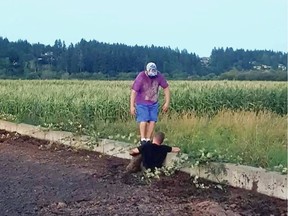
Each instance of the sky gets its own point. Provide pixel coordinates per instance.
(195, 25)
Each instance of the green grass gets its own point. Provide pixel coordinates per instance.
(244, 122)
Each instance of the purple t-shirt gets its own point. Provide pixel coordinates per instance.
(147, 88)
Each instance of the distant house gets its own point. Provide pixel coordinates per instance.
(46, 58)
(258, 67)
(47, 54)
(205, 60)
(282, 67)
(262, 67)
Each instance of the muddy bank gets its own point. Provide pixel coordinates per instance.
(40, 178)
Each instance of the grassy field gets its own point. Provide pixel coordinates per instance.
(240, 122)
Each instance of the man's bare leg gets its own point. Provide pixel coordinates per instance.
(150, 129)
(143, 129)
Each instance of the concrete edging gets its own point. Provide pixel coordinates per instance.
(250, 178)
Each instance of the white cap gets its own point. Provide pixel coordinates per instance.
(151, 66)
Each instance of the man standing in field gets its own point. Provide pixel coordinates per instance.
(144, 99)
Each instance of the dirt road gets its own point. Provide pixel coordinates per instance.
(37, 178)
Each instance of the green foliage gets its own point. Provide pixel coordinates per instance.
(239, 122)
(98, 60)
(273, 75)
(244, 60)
(202, 160)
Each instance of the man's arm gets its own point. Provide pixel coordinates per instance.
(171, 149)
(175, 149)
(167, 98)
(132, 101)
(134, 90)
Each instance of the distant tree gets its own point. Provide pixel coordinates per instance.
(97, 60)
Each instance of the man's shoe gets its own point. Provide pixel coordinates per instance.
(142, 142)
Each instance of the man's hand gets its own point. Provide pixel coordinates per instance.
(165, 107)
(134, 152)
(175, 149)
(132, 110)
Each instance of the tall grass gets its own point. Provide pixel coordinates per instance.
(243, 137)
(244, 121)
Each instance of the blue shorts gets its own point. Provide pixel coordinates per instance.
(146, 113)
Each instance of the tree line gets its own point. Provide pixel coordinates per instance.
(98, 60)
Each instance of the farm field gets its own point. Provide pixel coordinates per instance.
(232, 121)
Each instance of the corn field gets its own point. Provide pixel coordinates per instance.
(221, 116)
(90, 101)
